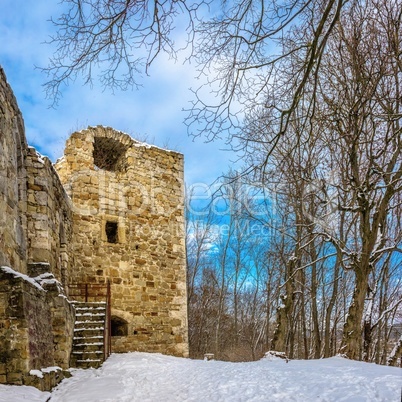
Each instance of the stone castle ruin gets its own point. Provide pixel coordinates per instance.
(92, 251)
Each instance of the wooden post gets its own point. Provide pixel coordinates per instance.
(109, 303)
(107, 334)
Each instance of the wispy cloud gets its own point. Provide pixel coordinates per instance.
(154, 110)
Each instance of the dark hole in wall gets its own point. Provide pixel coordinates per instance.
(109, 154)
(119, 327)
(111, 232)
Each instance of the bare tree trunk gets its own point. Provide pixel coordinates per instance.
(367, 325)
(328, 334)
(303, 318)
(268, 313)
(284, 333)
(352, 330)
(396, 353)
(314, 309)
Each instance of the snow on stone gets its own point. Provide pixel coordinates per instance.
(89, 322)
(39, 281)
(39, 373)
(41, 263)
(274, 356)
(40, 157)
(48, 278)
(59, 160)
(22, 276)
(88, 329)
(92, 337)
(90, 344)
(148, 377)
(90, 315)
(36, 373)
(50, 369)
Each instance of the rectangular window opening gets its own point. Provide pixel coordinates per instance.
(111, 232)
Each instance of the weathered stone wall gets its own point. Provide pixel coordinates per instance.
(136, 191)
(35, 211)
(36, 325)
(36, 321)
(49, 218)
(14, 335)
(12, 180)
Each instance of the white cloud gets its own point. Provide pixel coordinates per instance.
(154, 110)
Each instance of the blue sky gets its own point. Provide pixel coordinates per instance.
(154, 111)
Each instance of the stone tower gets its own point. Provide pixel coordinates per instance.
(128, 228)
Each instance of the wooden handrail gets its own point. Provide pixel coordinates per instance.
(88, 291)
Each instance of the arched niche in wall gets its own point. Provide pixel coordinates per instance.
(119, 326)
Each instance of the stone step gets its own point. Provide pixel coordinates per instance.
(89, 363)
(93, 310)
(80, 361)
(88, 332)
(90, 339)
(90, 313)
(89, 324)
(90, 316)
(89, 306)
(88, 346)
(88, 355)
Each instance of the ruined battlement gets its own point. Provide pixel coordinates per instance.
(111, 210)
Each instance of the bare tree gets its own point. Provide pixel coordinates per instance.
(114, 41)
(242, 49)
(244, 53)
(362, 95)
(355, 134)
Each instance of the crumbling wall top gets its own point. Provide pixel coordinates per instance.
(104, 148)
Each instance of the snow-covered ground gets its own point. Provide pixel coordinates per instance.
(147, 377)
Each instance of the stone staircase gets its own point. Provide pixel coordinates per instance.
(88, 343)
